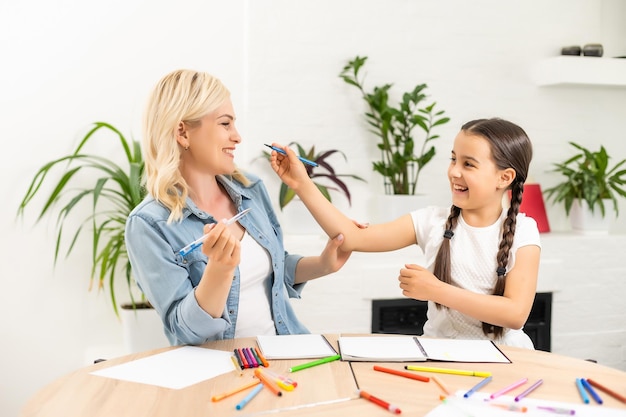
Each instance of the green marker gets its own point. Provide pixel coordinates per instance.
(314, 363)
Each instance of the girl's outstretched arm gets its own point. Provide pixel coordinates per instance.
(394, 235)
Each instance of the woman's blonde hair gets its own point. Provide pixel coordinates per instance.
(181, 96)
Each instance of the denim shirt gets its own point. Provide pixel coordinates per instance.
(168, 279)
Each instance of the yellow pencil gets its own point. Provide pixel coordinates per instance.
(237, 367)
(447, 371)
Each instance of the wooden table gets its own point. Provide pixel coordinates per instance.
(323, 390)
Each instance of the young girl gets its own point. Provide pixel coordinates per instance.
(239, 282)
(482, 260)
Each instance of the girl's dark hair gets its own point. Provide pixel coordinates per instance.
(510, 148)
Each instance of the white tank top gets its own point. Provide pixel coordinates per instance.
(254, 315)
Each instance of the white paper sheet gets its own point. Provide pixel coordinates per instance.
(176, 369)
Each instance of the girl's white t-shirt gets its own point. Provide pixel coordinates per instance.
(473, 261)
(254, 315)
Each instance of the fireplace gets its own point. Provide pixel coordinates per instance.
(407, 316)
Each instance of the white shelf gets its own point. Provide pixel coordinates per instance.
(580, 70)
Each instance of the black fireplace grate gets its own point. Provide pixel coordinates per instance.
(407, 316)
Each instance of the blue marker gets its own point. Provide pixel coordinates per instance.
(593, 392)
(198, 242)
(248, 397)
(306, 161)
(478, 386)
(581, 390)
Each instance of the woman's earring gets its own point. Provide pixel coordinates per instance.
(186, 148)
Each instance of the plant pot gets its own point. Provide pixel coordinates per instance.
(142, 328)
(583, 221)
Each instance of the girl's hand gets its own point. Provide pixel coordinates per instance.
(418, 282)
(288, 167)
(221, 247)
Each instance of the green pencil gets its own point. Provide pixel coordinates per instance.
(314, 363)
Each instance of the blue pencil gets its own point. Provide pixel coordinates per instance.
(593, 392)
(248, 397)
(581, 390)
(478, 386)
(304, 160)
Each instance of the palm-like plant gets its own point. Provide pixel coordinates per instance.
(286, 194)
(114, 194)
(589, 178)
(402, 157)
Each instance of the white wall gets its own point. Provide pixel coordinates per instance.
(68, 63)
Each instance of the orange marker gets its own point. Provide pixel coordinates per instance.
(266, 381)
(235, 391)
(443, 386)
(263, 360)
(401, 373)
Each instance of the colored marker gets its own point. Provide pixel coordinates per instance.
(509, 388)
(591, 391)
(401, 373)
(443, 386)
(251, 359)
(557, 410)
(248, 397)
(447, 371)
(529, 390)
(581, 390)
(266, 381)
(241, 365)
(237, 366)
(607, 390)
(263, 360)
(304, 160)
(198, 242)
(243, 358)
(510, 407)
(283, 378)
(477, 386)
(314, 363)
(382, 403)
(235, 391)
(281, 381)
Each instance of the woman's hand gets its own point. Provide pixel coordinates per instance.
(288, 167)
(221, 247)
(418, 282)
(333, 257)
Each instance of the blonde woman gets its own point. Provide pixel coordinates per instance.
(239, 281)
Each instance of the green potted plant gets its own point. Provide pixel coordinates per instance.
(323, 171)
(403, 156)
(590, 185)
(103, 205)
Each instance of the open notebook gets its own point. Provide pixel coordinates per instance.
(414, 349)
(295, 346)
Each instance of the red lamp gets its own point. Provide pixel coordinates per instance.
(533, 206)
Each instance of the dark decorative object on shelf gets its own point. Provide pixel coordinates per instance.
(593, 49)
(571, 50)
